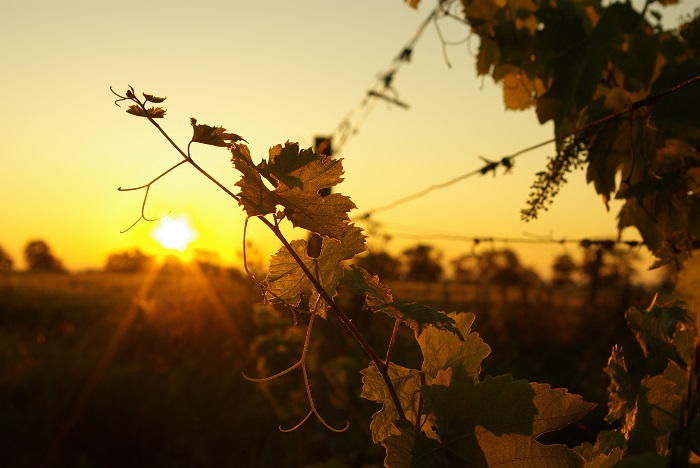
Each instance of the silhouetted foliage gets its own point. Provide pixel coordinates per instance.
(381, 264)
(128, 261)
(5, 260)
(466, 268)
(39, 257)
(608, 266)
(501, 267)
(422, 264)
(564, 269)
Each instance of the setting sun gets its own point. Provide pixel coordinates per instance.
(174, 233)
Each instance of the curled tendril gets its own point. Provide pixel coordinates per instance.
(294, 428)
(313, 410)
(143, 210)
(145, 197)
(300, 362)
(313, 407)
(130, 96)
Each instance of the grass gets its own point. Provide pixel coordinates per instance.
(168, 391)
(106, 369)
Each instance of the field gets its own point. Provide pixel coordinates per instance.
(105, 369)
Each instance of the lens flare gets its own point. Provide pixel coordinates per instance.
(174, 233)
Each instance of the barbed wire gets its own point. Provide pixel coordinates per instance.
(507, 161)
(383, 89)
(584, 242)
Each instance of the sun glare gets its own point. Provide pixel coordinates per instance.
(174, 233)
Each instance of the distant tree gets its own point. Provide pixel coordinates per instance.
(422, 264)
(5, 260)
(128, 261)
(563, 270)
(466, 268)
(608, 267)
(39, 257)
(501, 267)
(381, 264)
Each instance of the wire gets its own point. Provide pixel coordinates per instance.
(507, 161)
(383, 88)
(582, 242)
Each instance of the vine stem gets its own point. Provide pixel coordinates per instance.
(382, 367)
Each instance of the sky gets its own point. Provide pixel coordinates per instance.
(271, 71)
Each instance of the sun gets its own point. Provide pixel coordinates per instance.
(174, 233)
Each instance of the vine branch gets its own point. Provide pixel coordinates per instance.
(382, 367)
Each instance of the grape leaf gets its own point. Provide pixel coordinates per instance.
(519, 91)
(492, 422)
(654, 328)
(152, 112)
(286, 281)
(417, 316)
(514, 449)
(361, 282)
(298, 177)
(606, 452)
(410, 448)
(688, 285)
(606, 460)
(502, 406)
(153, 99)
(407, 383)
(658, 408)
(646, 460)
(649, 415)
(378, 298)
(254, 196)
(215, 136)
(283, 161)
(488, 56)
(621, 396)
(306, 208)
(444, 350)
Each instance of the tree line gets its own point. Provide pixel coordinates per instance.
(423, 263)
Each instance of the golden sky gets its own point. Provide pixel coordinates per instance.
(270, 71)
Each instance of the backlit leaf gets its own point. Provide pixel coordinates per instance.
(443, 350)
(361, 282)
(622, 399)
(654, 328)
(497, 420)
(410, 448)
(152, 112)
(407, 383)
(519, 91)
(658, 408)
(153, 99)
(283, 160)
(607, 450)
(418, 316)
(215, 136)
(306, 208)
(378, 298)
(287, 281)
(514, 449)
(255, 197)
